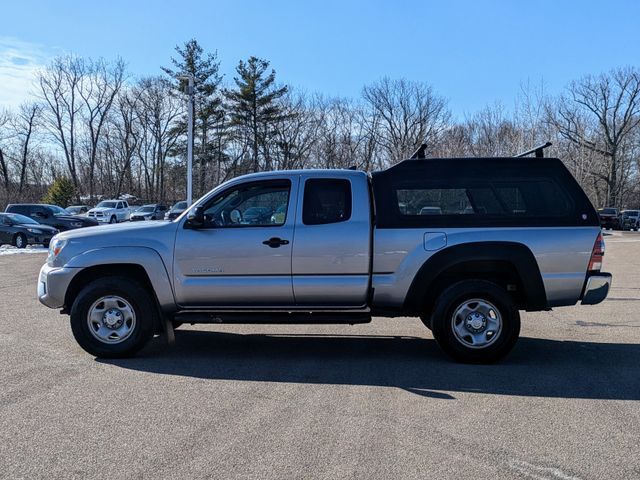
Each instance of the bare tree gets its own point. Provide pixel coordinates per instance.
(601, 114)
(4, 136)
(98, 89)
(406, 114)
(24, 125)
(340, 133)
(59, 85)
(157, 112)
(291, 137)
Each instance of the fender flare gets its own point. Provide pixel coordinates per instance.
(512, 253)
(147, 258)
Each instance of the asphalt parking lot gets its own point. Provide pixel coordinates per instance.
(369, 401)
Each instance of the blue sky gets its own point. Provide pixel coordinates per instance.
(472, 52)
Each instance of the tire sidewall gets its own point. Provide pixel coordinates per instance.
(454, 296)
(23, 238)
(139, 299)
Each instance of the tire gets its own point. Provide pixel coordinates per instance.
(467, 313)
(113, 219)
(46, 244)
(106, 298)
(20, 240)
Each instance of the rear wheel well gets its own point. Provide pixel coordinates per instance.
(89, 274)
(500, 272)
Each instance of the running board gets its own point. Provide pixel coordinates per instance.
(273, 317)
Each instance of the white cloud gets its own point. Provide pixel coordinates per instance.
(19, 63)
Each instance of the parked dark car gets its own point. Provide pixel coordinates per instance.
(152, 211)
(631, 220)
(20, 231)
(51, 215)
(175, 211)
(609, 218)
(78, 209)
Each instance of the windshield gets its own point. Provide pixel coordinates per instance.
(609, 211)
(147, 208)
(106, 205)
(179, 206)
(17, 218)
(58, 211)
(630, 213)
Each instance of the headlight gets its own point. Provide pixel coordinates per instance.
(34, 230)
(55, 247)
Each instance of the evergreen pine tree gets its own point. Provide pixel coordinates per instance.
(208, 108)
(61, 192)
(253, 104)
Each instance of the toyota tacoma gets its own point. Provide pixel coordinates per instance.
(463, 244)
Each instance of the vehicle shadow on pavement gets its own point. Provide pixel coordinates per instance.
(536, 367)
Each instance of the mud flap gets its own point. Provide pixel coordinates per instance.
(168, 331)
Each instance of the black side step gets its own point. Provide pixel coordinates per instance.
(274, 317)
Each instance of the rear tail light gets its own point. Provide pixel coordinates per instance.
(595, 262)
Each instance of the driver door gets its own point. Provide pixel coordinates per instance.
(241, 257)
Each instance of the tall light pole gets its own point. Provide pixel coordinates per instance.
(190, 92)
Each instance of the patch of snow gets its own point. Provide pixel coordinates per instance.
(9, 250)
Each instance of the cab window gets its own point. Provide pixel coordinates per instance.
(255, 204)
(326, 200)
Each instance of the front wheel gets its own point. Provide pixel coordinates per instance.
(475, 321)
(20, 240)
(113, 219)
(113, 317)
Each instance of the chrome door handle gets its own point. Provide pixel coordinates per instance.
(275, 242)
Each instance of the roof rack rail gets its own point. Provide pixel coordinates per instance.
(420, 153)
(539, 151)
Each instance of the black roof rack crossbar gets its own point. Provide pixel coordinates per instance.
(420, 153)
(539, 151)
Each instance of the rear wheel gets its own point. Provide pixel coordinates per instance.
(20, 240)
(475, 321)
(113, 317)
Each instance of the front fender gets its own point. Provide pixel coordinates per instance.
(147, 258)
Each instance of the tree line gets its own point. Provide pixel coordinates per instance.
(109, 134)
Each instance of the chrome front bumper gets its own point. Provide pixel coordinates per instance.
(53, 283)
(596, 289)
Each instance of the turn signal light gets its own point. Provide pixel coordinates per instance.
(595, 262)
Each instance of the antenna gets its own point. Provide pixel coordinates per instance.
(539, 151)
(419, 154)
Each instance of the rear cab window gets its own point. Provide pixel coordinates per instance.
(326, 200)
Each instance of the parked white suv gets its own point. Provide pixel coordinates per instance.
(110, 211)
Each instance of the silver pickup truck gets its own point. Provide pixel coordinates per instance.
(464, 244)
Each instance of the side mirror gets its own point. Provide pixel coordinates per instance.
(195, 218)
